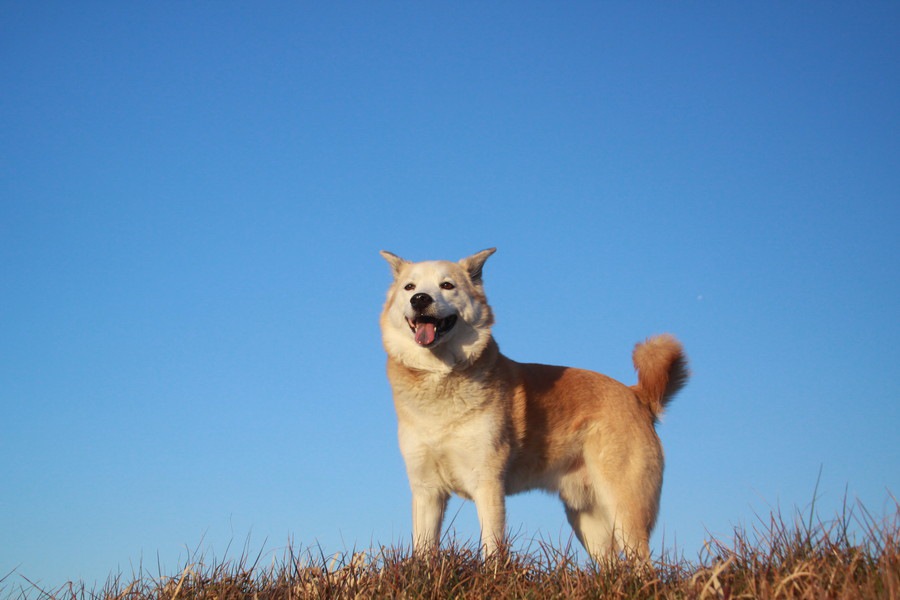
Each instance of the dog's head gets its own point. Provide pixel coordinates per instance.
(436, 315)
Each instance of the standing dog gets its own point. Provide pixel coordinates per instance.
(475, 423)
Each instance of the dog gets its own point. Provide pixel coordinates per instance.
(474, 423)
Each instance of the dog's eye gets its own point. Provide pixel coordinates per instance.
(409, 287)
(447, 286)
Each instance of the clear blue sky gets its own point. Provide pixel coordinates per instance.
(193, 197)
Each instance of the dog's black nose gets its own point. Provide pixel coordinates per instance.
(421, 301)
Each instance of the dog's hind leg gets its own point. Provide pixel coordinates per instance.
(627, 516)
(428, 506)
(593, 530)
(626, 481)
(606, 535)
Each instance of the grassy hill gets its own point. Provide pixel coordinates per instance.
(852, 556)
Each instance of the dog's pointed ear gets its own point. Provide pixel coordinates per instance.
(475, 263)
(395, 261)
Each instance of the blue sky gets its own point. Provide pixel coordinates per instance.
(193, 197)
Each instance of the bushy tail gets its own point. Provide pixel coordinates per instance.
(662, 371)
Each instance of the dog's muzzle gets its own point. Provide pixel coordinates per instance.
(427, 328)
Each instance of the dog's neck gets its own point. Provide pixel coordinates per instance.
(448, 360)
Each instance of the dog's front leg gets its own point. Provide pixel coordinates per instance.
(428, 506)
(491, 505)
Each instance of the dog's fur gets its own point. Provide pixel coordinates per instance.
(475, 423)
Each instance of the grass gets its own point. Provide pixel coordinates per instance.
(852, 556)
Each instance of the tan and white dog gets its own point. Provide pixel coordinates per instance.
(475, 423)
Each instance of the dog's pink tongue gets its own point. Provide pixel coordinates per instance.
(424, 333)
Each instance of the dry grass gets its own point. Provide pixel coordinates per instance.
(806, 558)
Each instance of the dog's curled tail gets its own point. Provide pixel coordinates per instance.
(662, 371)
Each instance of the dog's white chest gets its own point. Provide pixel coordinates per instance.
(448, 444)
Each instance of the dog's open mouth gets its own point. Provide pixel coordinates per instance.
(429, 329)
